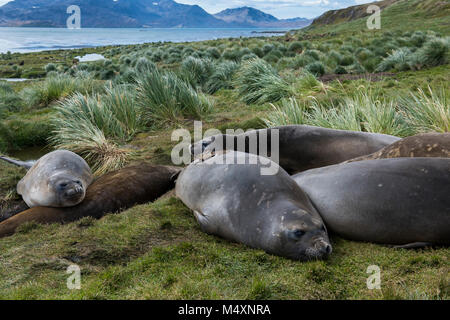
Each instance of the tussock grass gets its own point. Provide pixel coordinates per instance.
(427, 110)
(58, 87)
(9, 99)
(95, 126)
(196, 71)
(258, 82)
(361, 112)
(434, 52)
(222, 77)
(164, 97)
(286, 112)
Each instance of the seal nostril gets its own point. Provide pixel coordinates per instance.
(328, 249)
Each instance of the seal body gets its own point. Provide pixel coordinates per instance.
(389, 201)
(268, 212)
(58, 179)
(111, 193)
(301, 147)
(426, 145)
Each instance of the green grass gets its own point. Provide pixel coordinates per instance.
(157, 251)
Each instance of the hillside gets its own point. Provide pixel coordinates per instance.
(350, 13)
(250, 17)
(395, 15)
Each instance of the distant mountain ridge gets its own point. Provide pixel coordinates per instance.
(134, 14)
(251, 17)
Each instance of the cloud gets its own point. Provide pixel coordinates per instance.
(2, 2)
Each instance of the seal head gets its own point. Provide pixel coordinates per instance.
(58, 179)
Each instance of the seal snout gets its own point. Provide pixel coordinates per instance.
(323, 247)
(72, 190)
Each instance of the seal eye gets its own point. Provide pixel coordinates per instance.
(296, 234)
(63, 185)
(299, 233)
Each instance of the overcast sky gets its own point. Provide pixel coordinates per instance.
(279, 8)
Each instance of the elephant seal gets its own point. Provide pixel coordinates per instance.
(425, 145)
(400, 201)
(301, 147)
(58, 179)
(268, 212)
(111, 193)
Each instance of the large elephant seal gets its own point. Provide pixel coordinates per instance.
(58, 179)
(111, 193)
(389, 201)
(301, 147)
(269, 212)
(425, 145)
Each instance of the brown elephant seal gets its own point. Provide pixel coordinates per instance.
(389, 201)
(58, 179)
(425, 145)
(268, 212)
(113, 192)
(301, 147)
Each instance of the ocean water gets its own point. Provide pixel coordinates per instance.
(40, 39)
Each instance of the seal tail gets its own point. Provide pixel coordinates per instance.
(25, 164)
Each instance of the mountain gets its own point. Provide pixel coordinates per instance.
(133, 14)
(107, 13)
(251, 17)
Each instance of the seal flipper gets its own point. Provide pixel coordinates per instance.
(414, 245)
(25, 164)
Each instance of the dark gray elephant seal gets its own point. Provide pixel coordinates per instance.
(301, 147)
(390, 201)
(269, 212)
(58, 179)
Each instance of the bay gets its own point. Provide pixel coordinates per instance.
(41, 39)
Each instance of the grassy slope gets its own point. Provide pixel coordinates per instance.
(404, 15)
(158, 251)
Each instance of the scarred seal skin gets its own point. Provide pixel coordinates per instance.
(58, 179)
(301, 147)
(268, 212)
(389, 201)
(425, 145)
(111, 193)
